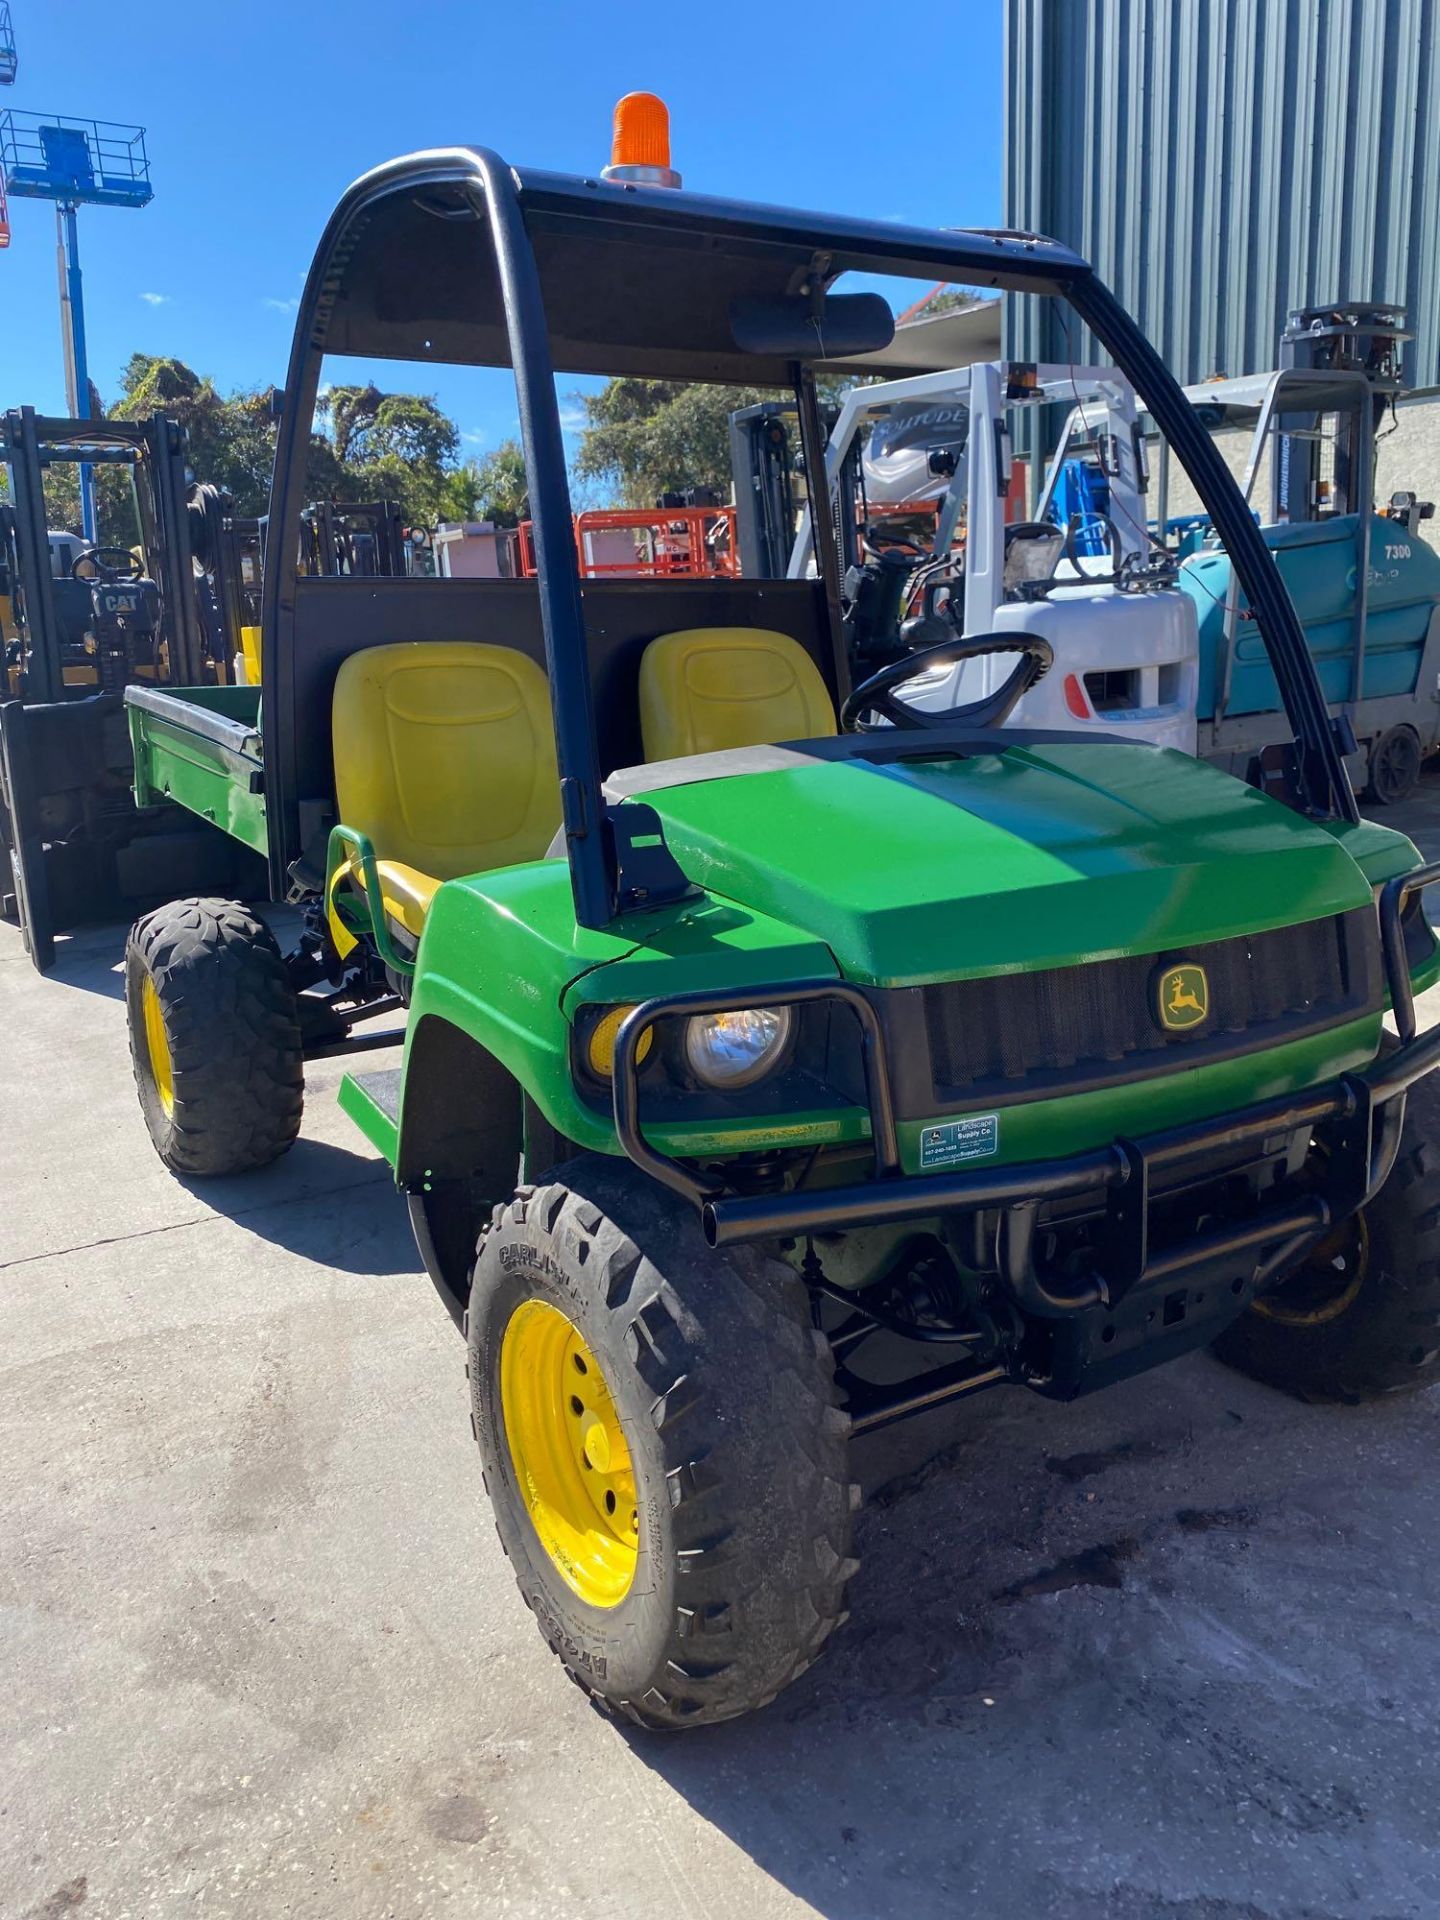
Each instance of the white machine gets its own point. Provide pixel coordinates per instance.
(65, 549)
(1124, 638)
(900, 462)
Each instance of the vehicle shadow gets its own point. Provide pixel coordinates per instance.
(1086, 1644)
(324, 1202)
(1418, 817)
(90, 961)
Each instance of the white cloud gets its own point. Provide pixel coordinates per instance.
(475, 437)
(572, 419)
(156, 299)
(281, 306)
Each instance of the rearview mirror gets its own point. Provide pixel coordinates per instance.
(788, 326)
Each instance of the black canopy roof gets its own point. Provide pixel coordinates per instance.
(635, 280)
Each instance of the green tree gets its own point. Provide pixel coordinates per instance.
(491, 488)
(231, 439)
(392, 446)
(642, 438)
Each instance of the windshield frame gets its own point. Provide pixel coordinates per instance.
(474, 192)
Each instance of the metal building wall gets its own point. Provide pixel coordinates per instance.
(1221, 161)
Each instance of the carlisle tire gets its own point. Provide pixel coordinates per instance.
(662, 1444)
(214, 1037)
(1361, 1317)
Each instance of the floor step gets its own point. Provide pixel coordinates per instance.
(372, 1101)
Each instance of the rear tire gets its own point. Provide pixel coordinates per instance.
(730, 1431)
(1364, 1319)
(1394, 767)
(214, 1037)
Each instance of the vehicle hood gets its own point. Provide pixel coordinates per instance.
(1034, 856)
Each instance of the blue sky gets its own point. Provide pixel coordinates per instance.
(257, 118)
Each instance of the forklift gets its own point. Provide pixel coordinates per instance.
(337, 539)
(354, 538)
(81, 622)
(779, 1061)
(767, 467)
(1092, 584)
(1363, 577)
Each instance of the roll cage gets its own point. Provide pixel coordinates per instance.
(586, 276)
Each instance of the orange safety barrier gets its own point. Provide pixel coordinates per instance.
(671, 543)
(685, 543)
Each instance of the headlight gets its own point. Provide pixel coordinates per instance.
(729, 1050)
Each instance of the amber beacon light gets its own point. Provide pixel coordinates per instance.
(640, 144)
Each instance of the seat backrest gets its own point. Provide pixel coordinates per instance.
(444, 755)
(74, 606)
(711, 688)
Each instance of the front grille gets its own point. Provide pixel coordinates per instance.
(1100, 1022)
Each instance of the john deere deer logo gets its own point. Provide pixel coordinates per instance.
(1183, 998)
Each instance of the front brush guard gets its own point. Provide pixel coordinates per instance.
(1358, 1115)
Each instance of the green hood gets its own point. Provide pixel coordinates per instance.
(1032, 857)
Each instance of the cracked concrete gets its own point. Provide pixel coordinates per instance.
(1169, 1654)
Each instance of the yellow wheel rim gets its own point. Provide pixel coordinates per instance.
(157, 1046)
(570, 1454)
(1327, 1285)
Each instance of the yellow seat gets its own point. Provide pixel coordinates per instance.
(445, 761)
(711, 688)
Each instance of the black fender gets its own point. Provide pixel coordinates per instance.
(461, 1139)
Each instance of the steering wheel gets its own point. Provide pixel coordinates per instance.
(876, 695)
(1030, 530)
(1074, 527)
(880, 542)
(100, 563)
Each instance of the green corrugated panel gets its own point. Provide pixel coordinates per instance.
(1222, 161)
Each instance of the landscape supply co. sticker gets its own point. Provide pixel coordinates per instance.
(974, 1138)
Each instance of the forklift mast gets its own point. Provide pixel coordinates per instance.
(763, 466)
(206, 510)
(764, 461)
(1350, 337)
(242, 569)
(155, 448)
(345, 537)
(73, 846)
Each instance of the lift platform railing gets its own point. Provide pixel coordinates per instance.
(684, 543)
(51, 156)
(662, 543)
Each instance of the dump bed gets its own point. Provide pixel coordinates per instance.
(200, 747)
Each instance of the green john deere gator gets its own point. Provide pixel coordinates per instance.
(779, 1060)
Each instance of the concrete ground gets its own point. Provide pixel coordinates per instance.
(1172, 1652)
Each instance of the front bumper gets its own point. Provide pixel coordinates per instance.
(1357, 1116)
